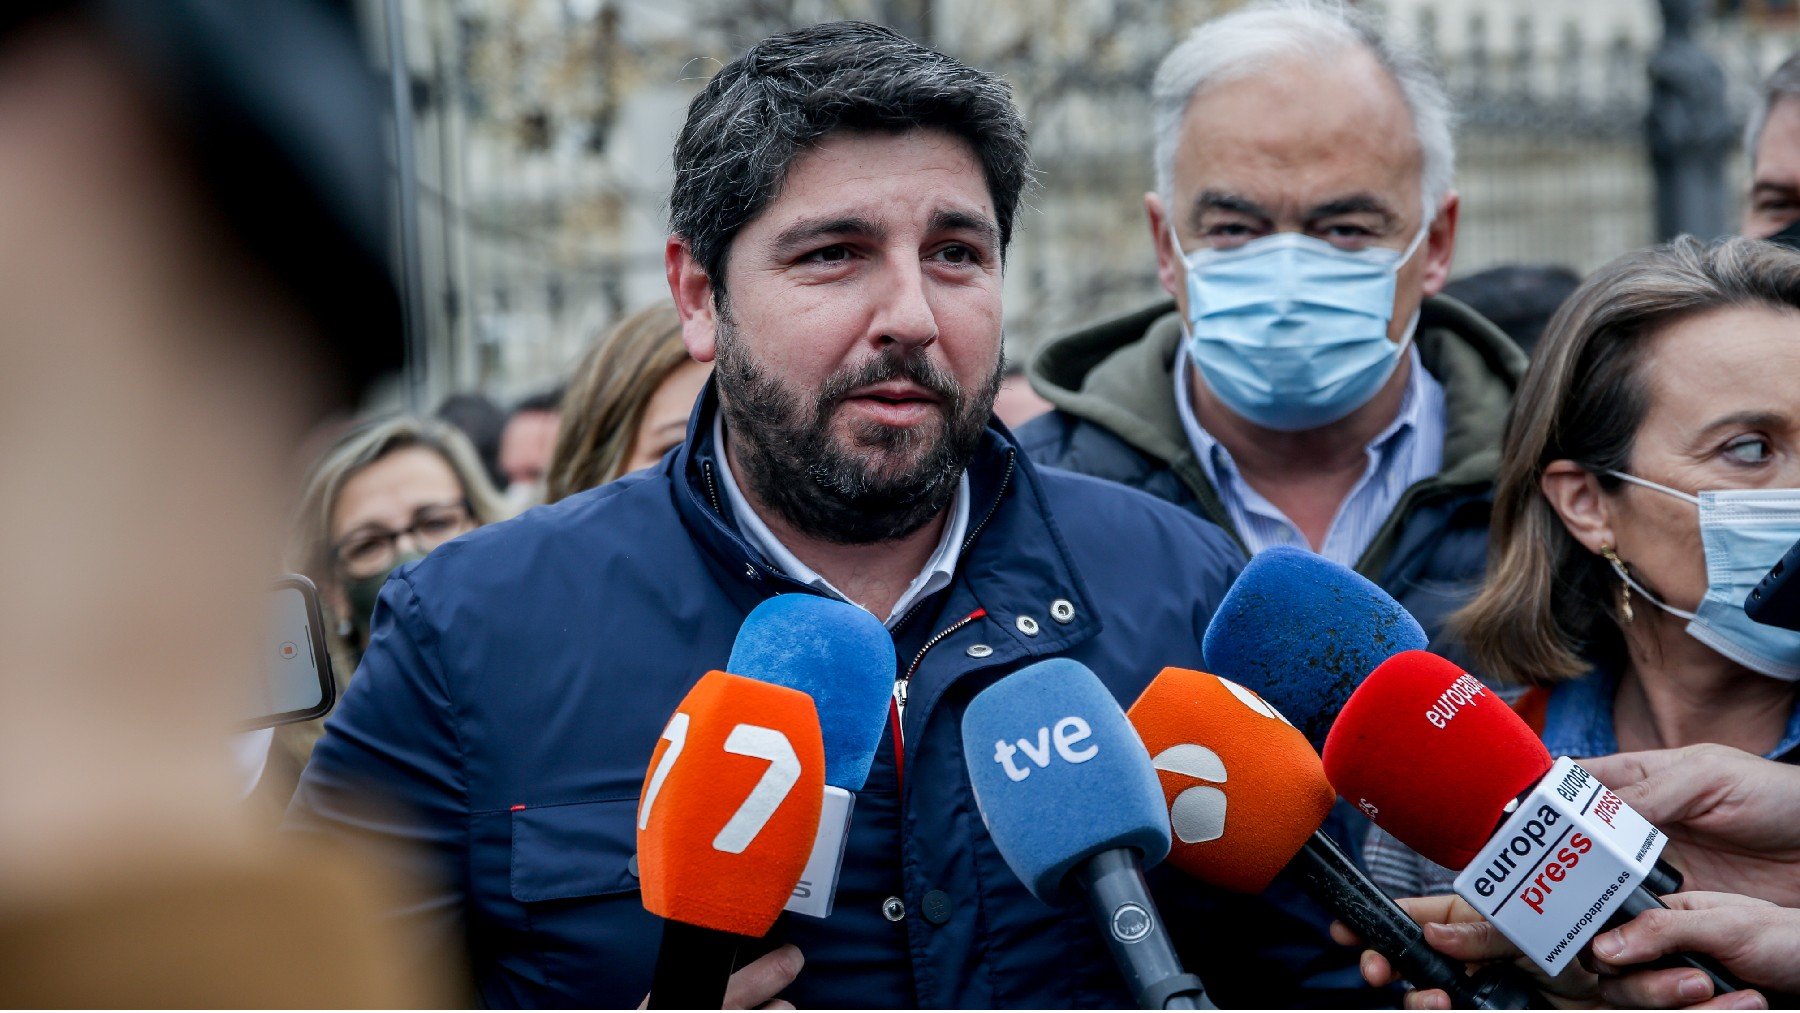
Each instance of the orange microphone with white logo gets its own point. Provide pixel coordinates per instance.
(1247, 795)
(726, 823)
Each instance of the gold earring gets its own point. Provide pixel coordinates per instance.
(1618, 566)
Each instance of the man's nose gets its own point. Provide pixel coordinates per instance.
(904, 316)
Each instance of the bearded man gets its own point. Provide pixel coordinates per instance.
(842, 206)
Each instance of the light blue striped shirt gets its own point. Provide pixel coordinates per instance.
(1409, 450)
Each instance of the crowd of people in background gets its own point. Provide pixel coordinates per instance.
(1571, 483)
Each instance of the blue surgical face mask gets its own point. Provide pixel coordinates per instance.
(1743, 532)
(1291, 332)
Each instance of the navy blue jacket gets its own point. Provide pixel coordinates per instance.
(519, 677)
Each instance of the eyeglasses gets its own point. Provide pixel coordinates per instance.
(372, 550)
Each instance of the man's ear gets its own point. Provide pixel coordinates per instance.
(1170, 271)
(692, 290)
(1440, 245)
(1575, 494)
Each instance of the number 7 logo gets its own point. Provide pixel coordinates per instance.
(731, 804)
(764, 799)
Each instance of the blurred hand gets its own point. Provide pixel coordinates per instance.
(756, 984)
(1730, 816)
(1755, 940)
(1455, 929)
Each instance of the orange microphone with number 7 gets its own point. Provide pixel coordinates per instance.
(729, 811)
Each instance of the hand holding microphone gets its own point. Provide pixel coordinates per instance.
(1754, 939)
(808, 695)
(1549, 854)
(1730, 816)
(1247, 795)
(757, 984)
(1458, 931)
(726, 822)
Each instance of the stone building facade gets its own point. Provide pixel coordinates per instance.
(543, 130)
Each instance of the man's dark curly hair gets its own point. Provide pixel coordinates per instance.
(752, 120)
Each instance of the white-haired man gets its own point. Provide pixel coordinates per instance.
(1307, 386)
(1772, 142)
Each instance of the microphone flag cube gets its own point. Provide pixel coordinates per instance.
(1059, 775)
(730, 805)
(1244, 789)
(1561, 865)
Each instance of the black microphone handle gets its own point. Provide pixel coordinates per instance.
(1640, 900)
(1120, 901)
(1332, 878)
(693, 967)
(1662, 879)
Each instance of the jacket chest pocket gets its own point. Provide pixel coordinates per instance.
(572, 871)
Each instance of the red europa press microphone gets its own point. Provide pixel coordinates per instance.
(729, 811)
(1247, 796)
(1548, 854)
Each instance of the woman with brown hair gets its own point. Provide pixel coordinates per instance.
(1650, 476)
(628, 403)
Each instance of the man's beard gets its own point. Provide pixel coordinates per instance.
(881, 484)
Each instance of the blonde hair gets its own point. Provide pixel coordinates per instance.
(364, 444)
(605, 403)
(1546, 610)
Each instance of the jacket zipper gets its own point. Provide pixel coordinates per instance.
(712, 490)
(900, 684)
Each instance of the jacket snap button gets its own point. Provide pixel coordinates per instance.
(1062, 610)
(893, 909)
(631, 867)
(937, 907)
(1027, 626)
(979, 650)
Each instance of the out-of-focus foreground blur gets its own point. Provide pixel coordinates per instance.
(184, 290)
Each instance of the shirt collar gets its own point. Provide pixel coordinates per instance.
(938, 571)
(1578, 719)
(1214, 457)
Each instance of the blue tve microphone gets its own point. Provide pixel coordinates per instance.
(1304, 632)
(843, 658)
(1066, 790)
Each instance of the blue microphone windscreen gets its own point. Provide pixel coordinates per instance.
(1304, 632)
(834, 652)
(1059, 773)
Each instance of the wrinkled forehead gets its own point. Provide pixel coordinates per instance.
(859, 169)
(879, 186)
(1302, 133)
(1778, 144)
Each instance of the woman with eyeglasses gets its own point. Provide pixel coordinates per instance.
(385, 493)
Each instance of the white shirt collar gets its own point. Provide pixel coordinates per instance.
(936, 575)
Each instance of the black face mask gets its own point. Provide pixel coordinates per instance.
(1788, 237)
